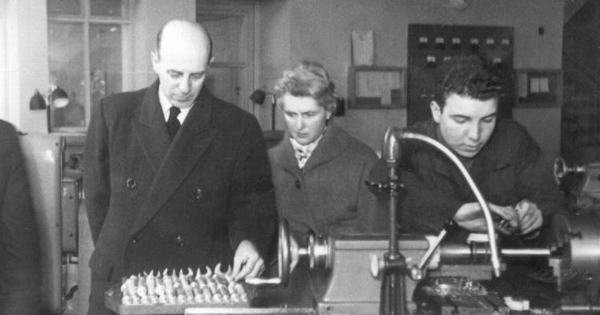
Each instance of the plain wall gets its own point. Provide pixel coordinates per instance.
(26, 63)
(321, 30)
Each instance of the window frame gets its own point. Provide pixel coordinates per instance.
(86, 19)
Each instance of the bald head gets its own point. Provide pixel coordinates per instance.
(181, 61)
(193, 29)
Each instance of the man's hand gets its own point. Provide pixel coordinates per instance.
(530, 217)
(247, 263)
(470, 217)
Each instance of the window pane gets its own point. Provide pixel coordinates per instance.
(106, 60)
(65, 50)
(114, 8)
(64, 7)
(226, 32)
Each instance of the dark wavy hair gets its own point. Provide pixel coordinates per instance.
(467, 76)
(308, 79)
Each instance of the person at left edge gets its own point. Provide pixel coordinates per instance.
(20, 268)
(204, 198)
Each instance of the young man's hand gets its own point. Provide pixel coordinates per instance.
(470, 217)
(530, 217)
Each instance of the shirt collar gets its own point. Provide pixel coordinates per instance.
(165, 105)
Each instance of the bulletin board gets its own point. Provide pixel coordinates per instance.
(430, 45)
(539, 88)
(377, 87)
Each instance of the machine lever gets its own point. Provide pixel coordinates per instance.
(448, 225)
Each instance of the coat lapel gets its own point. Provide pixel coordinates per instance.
(181, 156)
(329, 148)
(151, 128)
(286, 156)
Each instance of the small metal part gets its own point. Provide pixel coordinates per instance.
(448, 225)
(503, 224)
(376, 266)
(432, 247)
(415, 273)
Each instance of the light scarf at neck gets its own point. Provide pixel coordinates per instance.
(303, 152)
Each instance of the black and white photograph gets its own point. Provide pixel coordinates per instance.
(301, 157)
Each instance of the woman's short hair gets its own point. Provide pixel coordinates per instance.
(308, 79)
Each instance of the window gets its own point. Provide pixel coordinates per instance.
(88, 56)
(3, 63)
(231, 27)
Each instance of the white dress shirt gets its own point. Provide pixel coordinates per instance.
(165, 104)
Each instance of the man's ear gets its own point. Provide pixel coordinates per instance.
(155, 60)
(436, 111)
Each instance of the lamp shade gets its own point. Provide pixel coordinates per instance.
(37, 101)
(258, 96)
(59, 98)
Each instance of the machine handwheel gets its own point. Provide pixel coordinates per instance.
(284, 252)
(560, 168)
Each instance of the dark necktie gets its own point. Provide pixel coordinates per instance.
(173, 123)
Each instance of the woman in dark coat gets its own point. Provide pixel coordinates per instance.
(319, 169)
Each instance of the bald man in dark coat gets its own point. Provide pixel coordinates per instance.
(201, 198)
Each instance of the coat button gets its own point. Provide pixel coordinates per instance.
(298, 185)
(199, 193)
(180, 240)
(131, 183)
(134, 240)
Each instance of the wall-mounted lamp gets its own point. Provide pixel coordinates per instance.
(272, 137)
(37, 101)
(258, 97)
(57, 98)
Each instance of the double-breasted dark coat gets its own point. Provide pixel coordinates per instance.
(153, 204)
